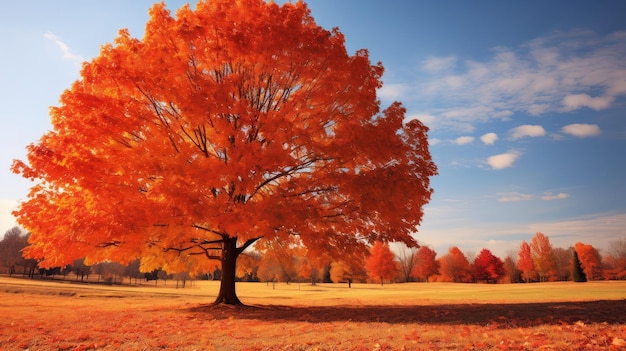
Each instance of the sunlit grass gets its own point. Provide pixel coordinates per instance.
(44, 315)
(330, 294)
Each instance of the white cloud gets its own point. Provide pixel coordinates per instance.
(463, 140)
(502, 161)
(438, 64)
(527, 131)
(65, 50)
(489, 138)
(581, 130)
(513, 197)
(549, 196)
(576, 101)
(558, 73)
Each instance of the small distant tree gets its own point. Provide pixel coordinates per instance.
(577, 271)
(11, 249)
(406, 261)
(279, 259)
(488, 267)
(381, 264)
(543, 257)
(81, 269)
(525, 262)
(248, 266)
(563, 263)
(340, 272)
(425, 265)
(454, 267)
(590, 260)
(615, 260)
(132, 271)
(512, 274)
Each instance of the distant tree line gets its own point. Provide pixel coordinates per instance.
(280, 261)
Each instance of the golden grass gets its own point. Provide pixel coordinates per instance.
(40, 315)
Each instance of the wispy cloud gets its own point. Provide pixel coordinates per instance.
(513, 197)
(576, 101)
(527, 131)
(503, 161)
(558, 73)
(549, 196)
(438, 64)
(67, 54)
(489, 138)
(463, 140)
(581, 130)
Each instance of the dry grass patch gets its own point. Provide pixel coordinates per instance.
(327, 317)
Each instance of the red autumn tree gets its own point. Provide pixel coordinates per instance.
(590, 260)
(381, 264)
(543, 257)
(525, 262)
(454, 267)
(425, 264)
(226, 123)
(487, 267)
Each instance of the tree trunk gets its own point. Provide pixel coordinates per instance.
(227, 294)
(230, 252)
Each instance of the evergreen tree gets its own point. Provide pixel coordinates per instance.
(577, 271)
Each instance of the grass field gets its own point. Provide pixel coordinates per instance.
(42, 315)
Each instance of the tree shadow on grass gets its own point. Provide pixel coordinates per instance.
(497, 315)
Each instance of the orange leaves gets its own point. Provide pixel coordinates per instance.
(543, 257)
(424, 264)
(525, 262)
(381, 263)
(454, 267)
(488, 267)
(590, 260)
(244, 117)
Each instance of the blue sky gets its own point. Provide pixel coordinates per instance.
(525, 101)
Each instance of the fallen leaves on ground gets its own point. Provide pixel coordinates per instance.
(42, 322)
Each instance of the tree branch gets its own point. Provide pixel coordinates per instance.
(197, 226)
(247, 244)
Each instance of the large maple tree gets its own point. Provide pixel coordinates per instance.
(225, 123)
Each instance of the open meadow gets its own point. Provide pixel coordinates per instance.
(43, 315)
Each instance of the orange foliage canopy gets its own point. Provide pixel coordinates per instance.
(543, 257)
(525, 262)
(488, 267)
(454, 267)
(425, 264)
(590, 260)
(381, 264)
(226, 123)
